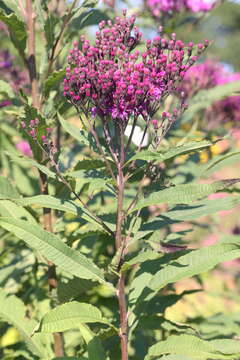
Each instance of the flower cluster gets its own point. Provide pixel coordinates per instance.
(170, 7)
(37, 132)
(113, 80)
(207, 75)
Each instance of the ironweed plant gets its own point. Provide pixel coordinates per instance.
(96, 192)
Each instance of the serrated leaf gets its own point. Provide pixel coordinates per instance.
(69, 316)
(183, 193)
(49, 28)
(192, 346)
(140, 258)
(190, 212)
(57, 204)
(53, 248)
(16, 29)
(193, 263)
(89, 164)
(53, 80)
(205, 98)
(72, 288)
(173, 152)
(13, 311)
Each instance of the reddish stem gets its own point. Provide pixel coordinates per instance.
(120, 243)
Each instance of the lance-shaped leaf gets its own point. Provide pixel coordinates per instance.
(54, 249)
(13, 311)
(195, 348)
(9, 208)
(188, 213)
(205, 98)
(217, 163)
(53, 80)
(16, 29)
(171, 153)
(193, 263)
(75, 132)
(25, 160)
(183, 193)
(69, 316)
(62, 205)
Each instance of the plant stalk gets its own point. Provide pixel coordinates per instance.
(120, 243)
(52, 276)
(47, 214)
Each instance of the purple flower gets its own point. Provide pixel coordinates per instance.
(110, 78)
(24, 148)
(206, 76)
(170, 7)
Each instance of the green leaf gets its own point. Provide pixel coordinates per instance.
(6, 89)
(94, 345)
(69, 316)
(194, 347)
(140, 258)
(53, 80)
(79, 135)
(53, 248)
(9, 208)
(13, 311)
(81, 10)
(189, 212)
(89, 164)
(11, 6)
(16, 29)
(49, 28)
(7, 190)
(57, 204)
(205, 98)
(173, 152)
(20, 159)
(221, 161)
(73, 288)
(176, 357)
(193, 263)
(183, 193)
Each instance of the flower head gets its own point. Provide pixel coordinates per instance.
(171, 7)
(112, 79)
(207, 75)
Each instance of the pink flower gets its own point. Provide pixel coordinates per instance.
(24, 148)
(118, 82)
(171, 7)
(205, 76)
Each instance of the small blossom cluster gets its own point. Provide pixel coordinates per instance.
(207, 75)
(113, 80)
(32, 129)
(171, 7)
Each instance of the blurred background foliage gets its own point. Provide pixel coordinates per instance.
(218, 306)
